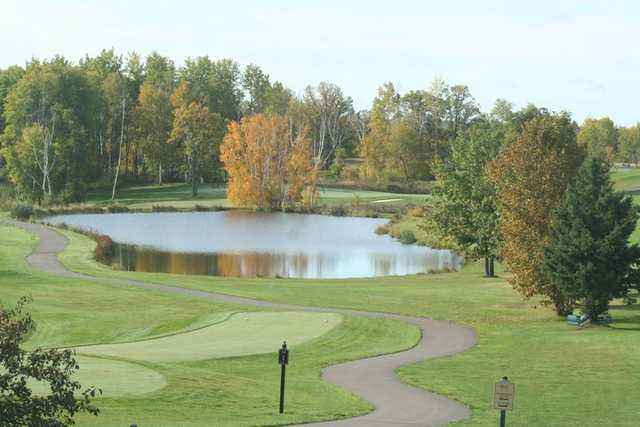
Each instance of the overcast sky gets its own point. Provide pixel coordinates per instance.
(579, 55)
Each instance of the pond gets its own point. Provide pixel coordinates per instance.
(249, 244)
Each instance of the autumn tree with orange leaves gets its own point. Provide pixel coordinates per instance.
(268, 166)
(531, 176)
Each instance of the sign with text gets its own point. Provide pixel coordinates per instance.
(503, 395)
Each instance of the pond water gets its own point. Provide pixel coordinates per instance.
(234, 243)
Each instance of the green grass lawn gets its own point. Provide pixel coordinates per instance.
(626, 179)
(240, 334)
(564, 376)
(228, 391)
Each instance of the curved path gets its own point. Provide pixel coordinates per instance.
(396, 404)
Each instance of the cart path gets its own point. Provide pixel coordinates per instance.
(374, 379)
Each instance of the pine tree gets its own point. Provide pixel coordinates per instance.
(588, 256)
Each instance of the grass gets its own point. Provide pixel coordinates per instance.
(587, 377)
(230, 391)
(563, 375)
(179, 196)
(115, 378)
(240, 334)
(626, 179)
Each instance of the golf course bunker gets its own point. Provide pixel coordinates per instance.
(114, 377)
(240, 335)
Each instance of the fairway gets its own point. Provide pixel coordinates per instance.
(240, 335)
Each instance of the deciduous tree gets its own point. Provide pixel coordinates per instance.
(199, 132)
(600, 138)
(268, 165)
(464, 198)
(531, 176)
(19, 369)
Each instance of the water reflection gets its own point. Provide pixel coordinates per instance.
(259, 244)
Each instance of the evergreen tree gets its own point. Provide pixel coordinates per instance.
(588, 256)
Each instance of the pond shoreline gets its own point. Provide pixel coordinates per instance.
(254, 244)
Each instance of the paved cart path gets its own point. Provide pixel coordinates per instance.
(396, 404)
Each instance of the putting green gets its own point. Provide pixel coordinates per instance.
(242, 334)
(115, 378)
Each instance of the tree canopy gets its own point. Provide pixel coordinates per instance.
(531, 176)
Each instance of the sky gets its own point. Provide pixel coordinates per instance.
(576, 55)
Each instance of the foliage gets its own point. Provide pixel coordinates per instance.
(531, 176)
(599, 138)
(19, 406)
(199, 133)
(629, 144)
(268, 167)
(407, 237)
(22, 211)
(104, 250)
(407, 133)
(49, 94)
(464, 198)
(588, 256)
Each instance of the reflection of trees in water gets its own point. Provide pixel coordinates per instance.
(435, 260)
(284, 265)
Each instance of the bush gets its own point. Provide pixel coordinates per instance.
(407, 237)
(104, 250)
(201, 208)
(159, 208)
(382, 229)
(117, 209)
(22, 211)
(338, 210)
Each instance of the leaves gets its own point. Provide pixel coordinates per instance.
(268, 167)
(18, 405)
(531, 176)
(588, 257)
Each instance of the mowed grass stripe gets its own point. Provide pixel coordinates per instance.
(242, 334)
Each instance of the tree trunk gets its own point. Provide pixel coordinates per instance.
(489, 266)
(160, 172)
(115, 179)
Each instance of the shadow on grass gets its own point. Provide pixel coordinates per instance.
(629, 320)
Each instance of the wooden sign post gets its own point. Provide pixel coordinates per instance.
(503, 395)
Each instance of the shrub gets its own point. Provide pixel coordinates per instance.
(201, 208)
(160, 208)
(117, 209)
(407, 237)
(338, 210)
(382, 229)
(104, 250)
(22, 211)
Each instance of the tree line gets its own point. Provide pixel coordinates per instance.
(66, 127)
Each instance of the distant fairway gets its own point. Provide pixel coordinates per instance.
(242, 334)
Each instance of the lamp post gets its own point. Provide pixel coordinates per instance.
(283, 360)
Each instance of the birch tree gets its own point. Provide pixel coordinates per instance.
(328, 110)
(268, 166)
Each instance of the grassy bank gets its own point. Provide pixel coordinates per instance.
(228, 391)
(555, 366)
